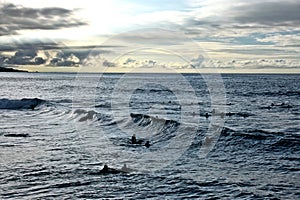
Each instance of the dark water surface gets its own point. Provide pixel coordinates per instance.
(58, 130)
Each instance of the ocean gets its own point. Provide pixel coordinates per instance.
(229, 136)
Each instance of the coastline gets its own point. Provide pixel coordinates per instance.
(7, 69)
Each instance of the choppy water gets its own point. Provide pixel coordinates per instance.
(58, 130)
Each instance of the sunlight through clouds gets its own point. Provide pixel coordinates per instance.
(237, 30)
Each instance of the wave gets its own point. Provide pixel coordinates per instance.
(229, 114)
(146, 120)
(64, 101)
(103, 105)
(259, 134)
(281, 105)
(16, 135)
(158, 90)
(256, 134)
(158, 130)
(274, 93)
(16, 104)
(84, 115)
(289, 142)
(89, 115)
(240, 114)
(271, 141)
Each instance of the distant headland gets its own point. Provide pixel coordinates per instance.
(7, 69)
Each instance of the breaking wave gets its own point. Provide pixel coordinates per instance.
(16, 104)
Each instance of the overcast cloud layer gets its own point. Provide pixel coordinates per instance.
(236, 34)
(15, 18)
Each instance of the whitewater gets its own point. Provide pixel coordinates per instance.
(233, 136)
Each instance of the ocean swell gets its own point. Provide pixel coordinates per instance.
(18, 104)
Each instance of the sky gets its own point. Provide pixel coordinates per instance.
(227, 36)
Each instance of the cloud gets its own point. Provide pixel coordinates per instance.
(246, 13)
(252, 64)
(63, 60)
(40, 57)
(49, 53)
(128, 61)
(24, 57)
(196, 63)
(3, 61)
(106, 63)
(15, 18)
(7, 30)
(150, 63)
(134, 63)
(243, 30)
(99, 61)
(282, 40)
(80, 52)
(272, 13)
(152, 37)
(96, 61)
(13, 46)
(236, 18)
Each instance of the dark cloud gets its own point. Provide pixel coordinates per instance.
(3, 60)
(284, 13)
(42, 45)
(18, 11)
(26, 53)
(246, 17)
(7, 30)
(106, 63)
(39, 61)
(59, 62)
(251, 51)
(24, 57)
(97, 61)
(80, 51)
(51, 57)
(15, 18)
(202, 22)
(293, 45)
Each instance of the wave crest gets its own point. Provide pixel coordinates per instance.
(18, 104)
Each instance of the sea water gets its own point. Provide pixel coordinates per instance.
(237, 139)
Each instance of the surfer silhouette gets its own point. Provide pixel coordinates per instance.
(206, 115)
(105, 169)
(147, 144)
(108, 170)
(133, 139)
(32, 107)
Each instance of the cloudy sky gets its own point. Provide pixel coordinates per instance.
(120, 36)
